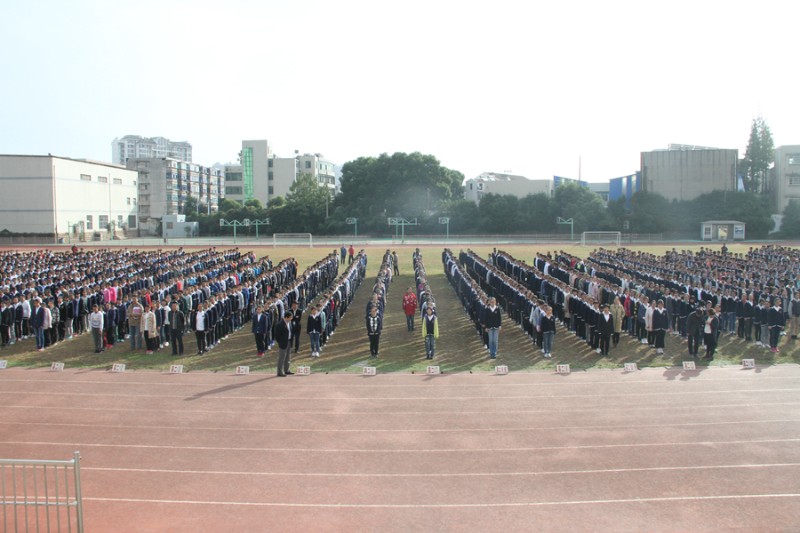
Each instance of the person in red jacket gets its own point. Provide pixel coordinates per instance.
(410, 307)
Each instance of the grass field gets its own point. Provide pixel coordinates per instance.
(459, 349)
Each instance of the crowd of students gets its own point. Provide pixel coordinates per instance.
(377, 303)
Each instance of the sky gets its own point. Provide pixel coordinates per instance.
(522, 86)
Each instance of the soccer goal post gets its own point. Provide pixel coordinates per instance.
(591, 238)
(292, 239)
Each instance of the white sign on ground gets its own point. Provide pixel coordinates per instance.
(631, 367)
(303, 370)
(433, 371)
(242, 370)
(689, 365)
(562, 369)
(3, 363)
(369, 371)
(176, 369)
(748, 363)
(118, 367)
(501, 369)
(57, 367)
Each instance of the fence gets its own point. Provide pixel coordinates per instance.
(41, 495)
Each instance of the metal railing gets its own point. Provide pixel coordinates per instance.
(41, 495)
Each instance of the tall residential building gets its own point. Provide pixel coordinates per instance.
(165, 184)
(510, 184)
(59, 195)
(254, 181)
(685, 172)
(785, 176)
(262, 175)
(136, 146)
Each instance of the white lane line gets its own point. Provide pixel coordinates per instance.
(397, 398)
(398, 450)
(440, 475)
(449, 505)
(394, 430)
(586, 409)
(622, 381)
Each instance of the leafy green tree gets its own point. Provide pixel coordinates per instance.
(190, 206)
(759, 156)
(463, 216)
(305, 207)
(537, 214)
(790, 228)
(499, 213)
(407, 185)
(582, 205)
(650, 213)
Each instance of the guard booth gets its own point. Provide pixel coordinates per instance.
(722, 230)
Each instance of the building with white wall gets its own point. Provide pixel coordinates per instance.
(320, 168)
(166, 184)
(502, 184)
(58, 195)
(785, 176)
(136, 146)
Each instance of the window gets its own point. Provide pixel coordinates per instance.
(233, 190)
(308, 164)
(131, 221)
(271, 190)
(271, 177)
(119, 221)
(128, 201)
(117, 181)
(86, 177)
(170, 225)
(102, 179)
(89, 222)
(269, 163)
(102, 222)
(794, 180)
(794, 159)
(134, 201)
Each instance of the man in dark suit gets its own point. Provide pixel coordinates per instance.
(297, 316)
(605, 327)
(283, 336)
(176, 320)
(374, 327)
(260, 326)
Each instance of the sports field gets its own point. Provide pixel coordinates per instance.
(459, 349)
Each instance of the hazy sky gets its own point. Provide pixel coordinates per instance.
(484, 86)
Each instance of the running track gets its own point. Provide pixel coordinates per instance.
(655, 450)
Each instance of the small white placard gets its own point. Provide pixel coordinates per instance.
(176, 369)
(369, 371)
(242, 370)
(631, 367)
(746, 363)
(501, 369)
(118, 367)
(303, 370)
(689, 365)
(562, 369)
(433, 371)
(3, 363)
(57, 367)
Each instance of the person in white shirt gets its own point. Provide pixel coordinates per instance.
(96, 325)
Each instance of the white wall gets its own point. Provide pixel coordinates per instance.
(26, 202)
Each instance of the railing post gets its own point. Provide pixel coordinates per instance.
(76, 458)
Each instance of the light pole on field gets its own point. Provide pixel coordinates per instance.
(446, 222)
(352, 220)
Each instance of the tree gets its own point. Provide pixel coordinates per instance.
(790, 227)
(305, 206)
(759, 157)
(537, 213)
(582, 205)
(499, 213)
(650, 213)
(190, 206)
(407, 185)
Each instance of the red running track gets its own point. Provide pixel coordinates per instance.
(654, 450)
